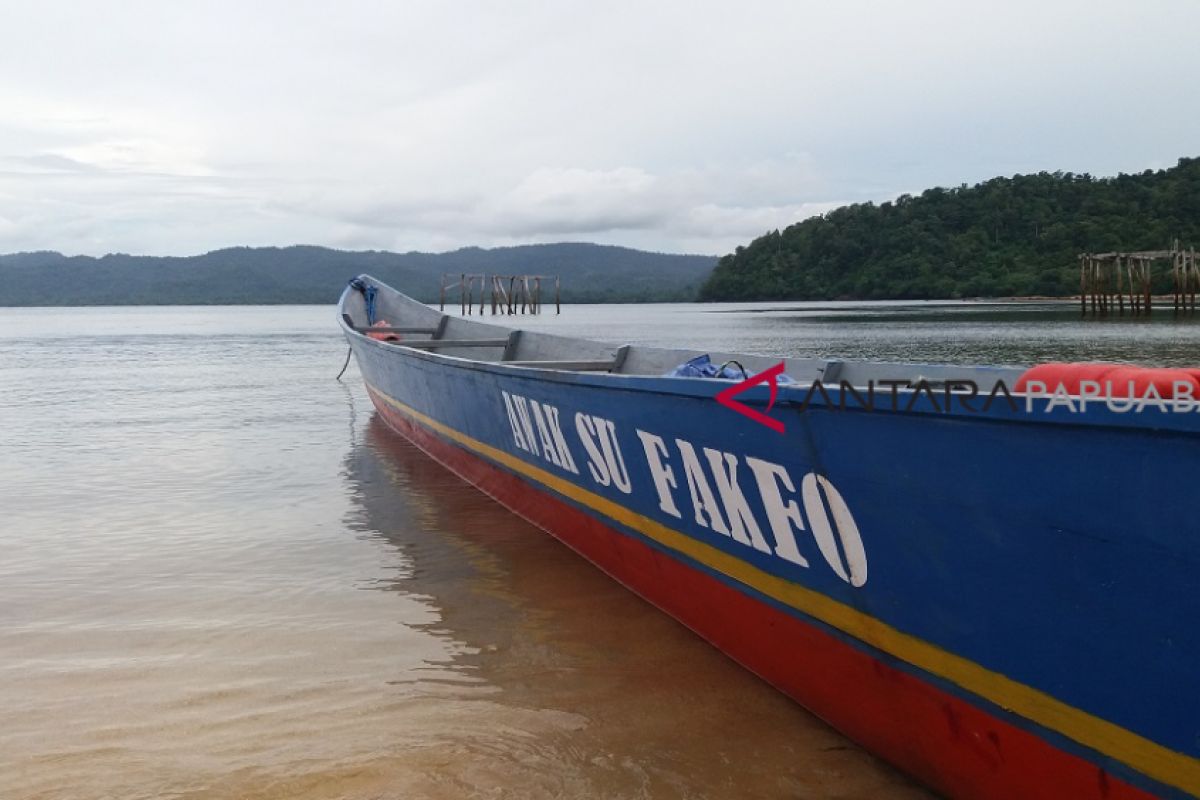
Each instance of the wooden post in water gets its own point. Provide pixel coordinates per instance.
(1083, 284)
(1104, 278)
(505, 293)
(1175, 281)
(1147, 286)
(1104, 287)
(1194, 277)
(1133, 306)
(1185, 267)
(1137, 285)
(1120, 288)
(1187, 289)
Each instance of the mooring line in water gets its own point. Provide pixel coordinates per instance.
(349, 352)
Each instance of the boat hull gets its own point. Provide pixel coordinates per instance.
(953, 696)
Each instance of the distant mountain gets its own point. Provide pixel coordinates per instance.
(303, 274)
(1005, 236)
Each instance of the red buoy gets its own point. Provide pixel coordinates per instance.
(1113, 380)
(1167, 383)
(1066, 375)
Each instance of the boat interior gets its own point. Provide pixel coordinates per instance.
(403, 322)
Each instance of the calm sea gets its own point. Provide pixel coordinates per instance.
(221, 576)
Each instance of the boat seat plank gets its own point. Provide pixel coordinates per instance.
(397, 329)
(386, 328)
(441, 326)
(575, 366)
(432, 344)
(619, 358)
(510, 350)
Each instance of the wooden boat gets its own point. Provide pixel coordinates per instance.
(993, 590)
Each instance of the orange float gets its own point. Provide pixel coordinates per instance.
(1115, 380)
(384, 336)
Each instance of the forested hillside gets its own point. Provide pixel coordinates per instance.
(590, 273)
(1004, 237)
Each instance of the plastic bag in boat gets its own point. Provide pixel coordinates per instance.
(702, 367)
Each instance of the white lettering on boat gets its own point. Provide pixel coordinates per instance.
(839, 540)
(554, 446)
(782, 515)
(799, 519)
(743, 526)
(524, 417)
(704, 504)
(662, 475)
(518, 435)
(597, 466)
(605, 461)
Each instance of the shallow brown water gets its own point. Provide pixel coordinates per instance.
(221, 576)
(594, 692)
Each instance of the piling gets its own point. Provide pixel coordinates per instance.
(1106, 280)
(506, 294)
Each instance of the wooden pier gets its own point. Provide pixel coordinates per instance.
(509, 294)
(1110, 281)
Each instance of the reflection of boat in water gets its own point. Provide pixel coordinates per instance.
(429, 515)
(1021, 631)
(559, 682)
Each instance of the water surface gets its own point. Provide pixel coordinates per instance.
(942, 332)
(222, 576)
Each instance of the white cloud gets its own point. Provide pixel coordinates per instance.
(181, 127)
(574, 200)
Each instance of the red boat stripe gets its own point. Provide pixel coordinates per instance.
(1148, 757)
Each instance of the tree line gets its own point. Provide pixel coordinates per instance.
(1015, 236)
(273, 275)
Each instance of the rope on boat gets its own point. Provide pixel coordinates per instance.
(349, 352)
(368, 293)
(738, 364)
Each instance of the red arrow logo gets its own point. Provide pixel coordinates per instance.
(725, 397)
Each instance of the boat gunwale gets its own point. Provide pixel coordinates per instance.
(917, 403)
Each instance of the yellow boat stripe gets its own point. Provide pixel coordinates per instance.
(1148, 757)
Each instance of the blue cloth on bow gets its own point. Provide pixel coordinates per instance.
(702, 367)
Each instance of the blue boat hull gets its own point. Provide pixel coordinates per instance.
(1001, 603)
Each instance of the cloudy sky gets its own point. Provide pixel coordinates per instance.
(175, 127)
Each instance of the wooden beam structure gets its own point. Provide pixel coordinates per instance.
(508, 294)
(1108, 280)
(466, 290)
